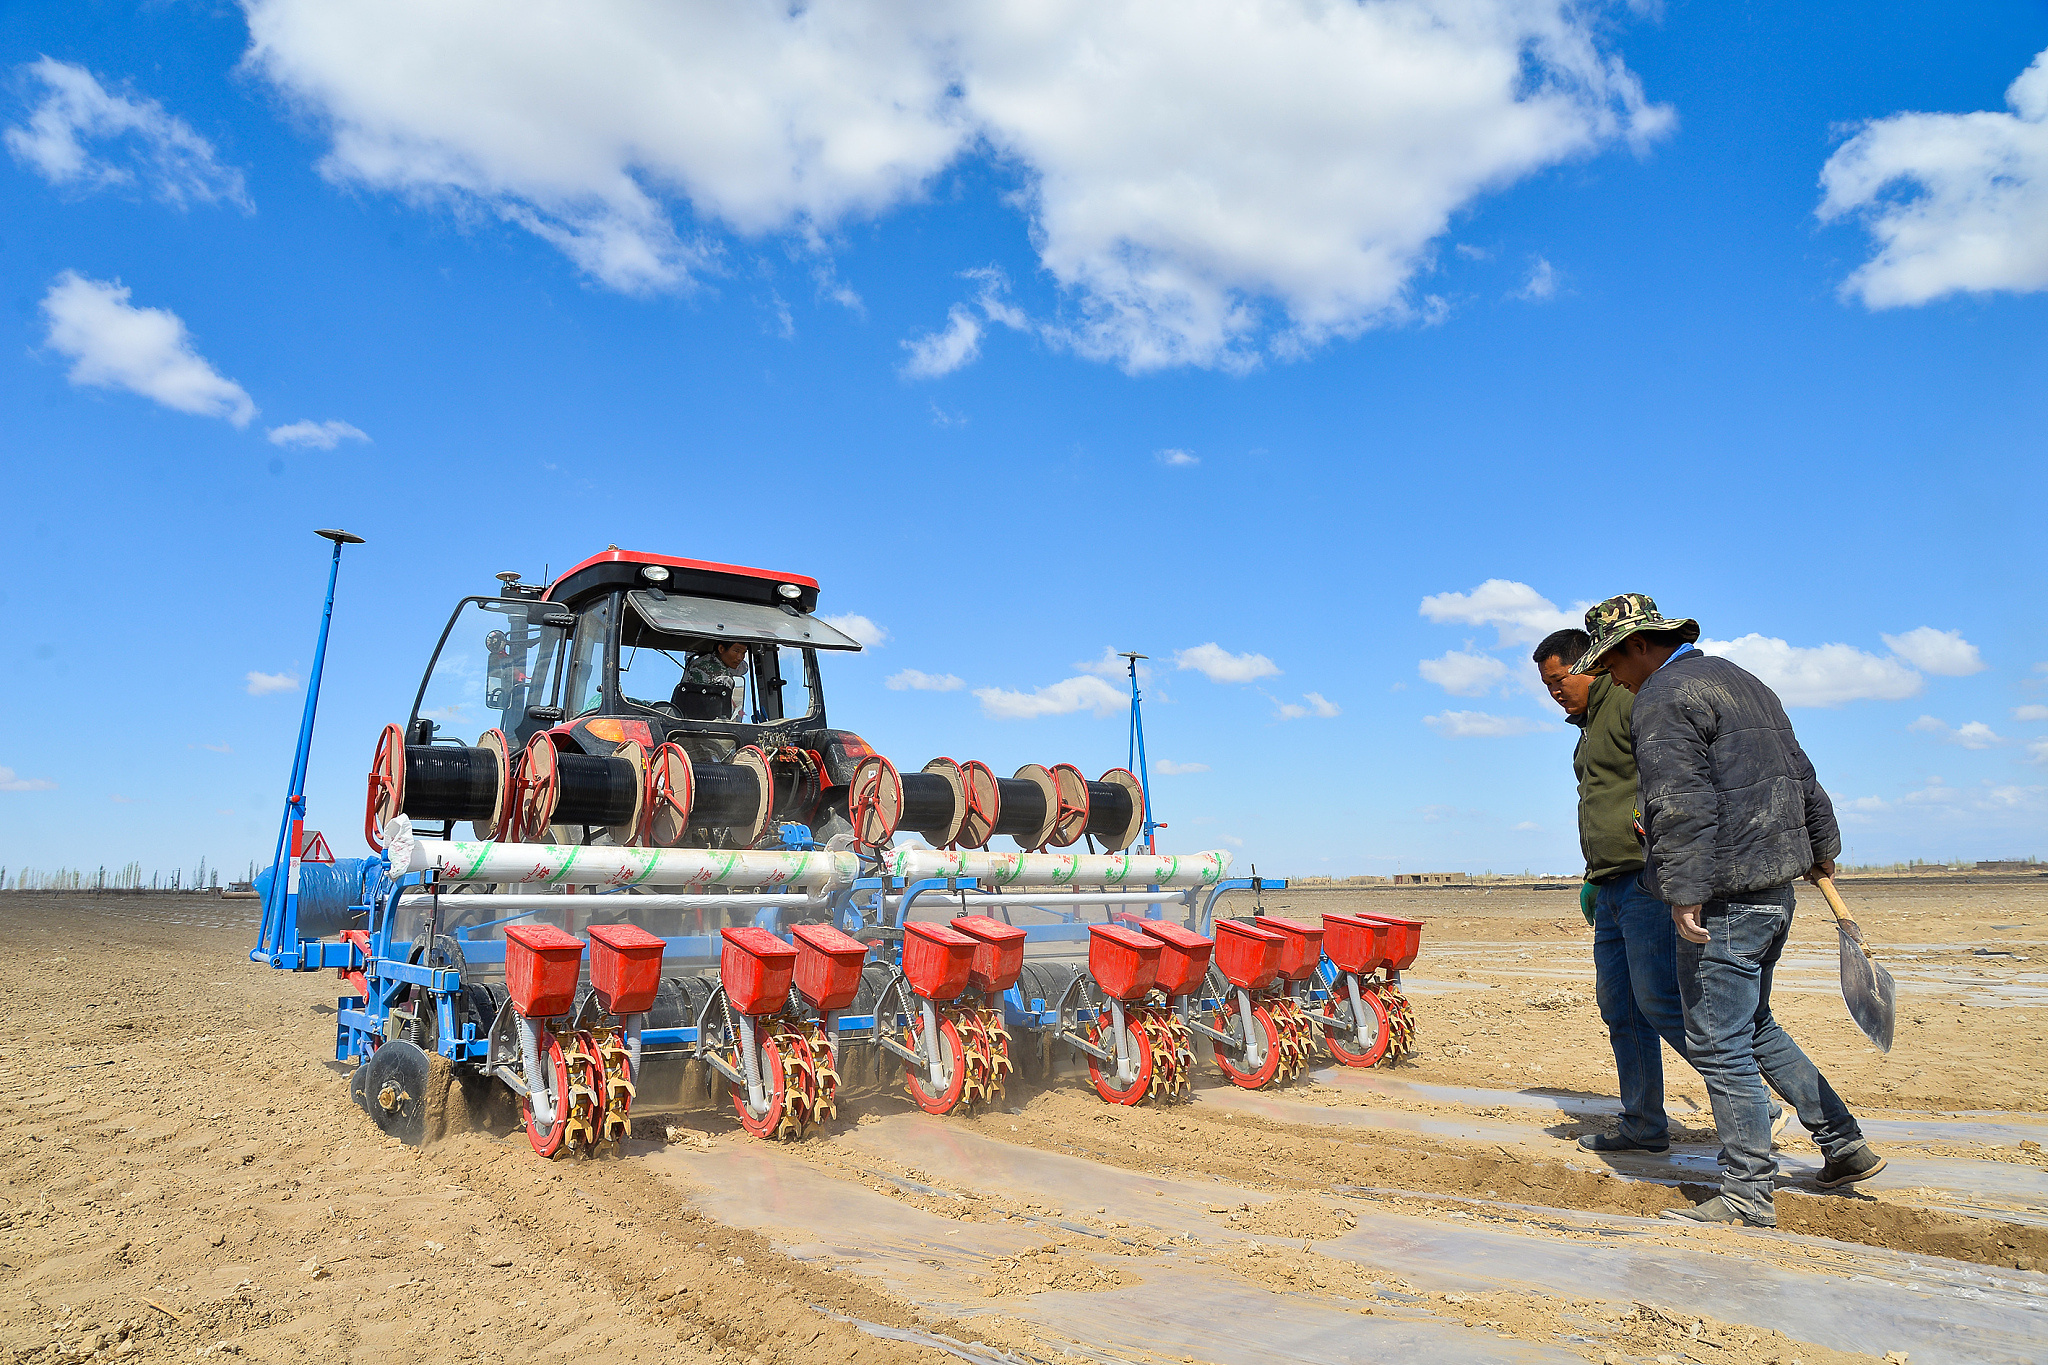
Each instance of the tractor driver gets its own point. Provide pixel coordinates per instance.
(723, 666)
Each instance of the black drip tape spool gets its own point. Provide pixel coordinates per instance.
(595, 791)
(447, 783)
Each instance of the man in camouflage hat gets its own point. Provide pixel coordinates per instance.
(1732, 814)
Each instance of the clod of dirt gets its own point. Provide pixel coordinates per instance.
(1053, 1266)
(1291, 1215)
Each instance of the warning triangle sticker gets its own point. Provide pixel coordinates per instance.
(315, 849)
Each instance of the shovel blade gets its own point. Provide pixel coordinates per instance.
(1867, 990)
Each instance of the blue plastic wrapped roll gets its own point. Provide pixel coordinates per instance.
(327, 894)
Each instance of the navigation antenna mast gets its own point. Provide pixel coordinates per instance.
(1137, 759)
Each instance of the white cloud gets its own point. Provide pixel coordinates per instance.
(141, 143)
(1207, 182)
(1464, 675)
(1956, 202)
(1974, 735)
(1166, 767)
(1541, 284)
(1110, 664)
(114, 345)
(910, 680)
(1177, 459)
(1219, 665)
(263, 684)
(1232, 840)
(941, 353)
(1311, 704)
(1527, 827)
(1061, 699)
(1517, 611)
(10, 783)
(2037, 751)
(1480, 725)
(1820, 675)
(2033, 711)
(860, 628)
(311, 435)
(1944, 653)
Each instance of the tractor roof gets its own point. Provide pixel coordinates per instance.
(616, 568)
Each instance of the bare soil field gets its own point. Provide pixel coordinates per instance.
(185, 1178)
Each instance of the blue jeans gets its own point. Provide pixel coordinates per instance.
(1737, 1046)
(1635, 973)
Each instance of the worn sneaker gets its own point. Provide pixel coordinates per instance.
(1715, 1210)
(1860, 1164)
(1779, 1123)
(1600, 1142)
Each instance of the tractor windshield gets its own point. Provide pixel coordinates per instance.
(687, 677)
(495, 660)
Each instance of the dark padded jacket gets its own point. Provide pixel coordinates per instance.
(1729, 800)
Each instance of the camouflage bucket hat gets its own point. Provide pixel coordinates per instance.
(1617, 618)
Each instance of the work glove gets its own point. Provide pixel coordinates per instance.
(1588, 895)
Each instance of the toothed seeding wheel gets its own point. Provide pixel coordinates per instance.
(1370, 1043)
(1292, 1030)
(999, 1065)
(826, 1072)
(1181, 1039)
(615, 1066)
(586, 1092)
(1400, 1018)
(789, 1080)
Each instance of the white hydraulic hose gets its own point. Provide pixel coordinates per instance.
(539, 1093)
(1060, 869)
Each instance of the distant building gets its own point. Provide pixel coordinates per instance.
(2012, 865)
(1428, 878)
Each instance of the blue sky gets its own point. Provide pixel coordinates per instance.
(1359, 342)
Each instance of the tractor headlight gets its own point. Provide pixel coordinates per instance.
(655, 573)
(789, 590)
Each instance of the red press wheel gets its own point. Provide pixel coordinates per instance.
(1114, 1086)
(555, 1068)
(1250, 1080)
(952, 1068)
(766, 1123)
(1338, 1006)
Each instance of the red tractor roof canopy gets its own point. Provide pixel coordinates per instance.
(699, 577)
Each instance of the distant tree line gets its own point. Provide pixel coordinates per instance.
(204, 877)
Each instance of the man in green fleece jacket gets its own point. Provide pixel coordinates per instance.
(1635, 948)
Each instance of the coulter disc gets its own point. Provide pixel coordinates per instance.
(395, 1091)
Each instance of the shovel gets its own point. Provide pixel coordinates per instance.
(1866, 985)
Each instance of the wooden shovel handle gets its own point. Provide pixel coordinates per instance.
(1827, 888)
(1842, 916)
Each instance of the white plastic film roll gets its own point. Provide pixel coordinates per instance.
(1132, 870)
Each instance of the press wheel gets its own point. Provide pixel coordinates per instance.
(952, 1068)
(1338, 1007)
(768, 1122)
(1262, 1021)
(1115, 1086)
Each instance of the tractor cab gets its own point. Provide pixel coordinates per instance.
(632, 647)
